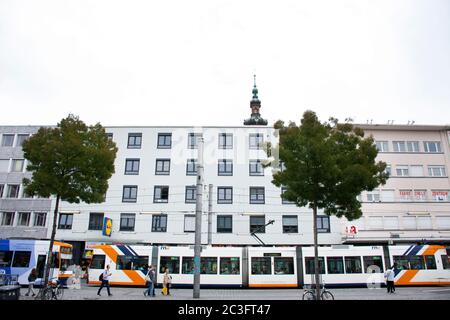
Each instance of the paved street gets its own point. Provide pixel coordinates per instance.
(121, 293)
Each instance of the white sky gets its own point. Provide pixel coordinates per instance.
(192, 62)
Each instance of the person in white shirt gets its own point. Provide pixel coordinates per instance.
(390, 277)
(105, 281)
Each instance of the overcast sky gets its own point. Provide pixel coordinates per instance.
(192, 62)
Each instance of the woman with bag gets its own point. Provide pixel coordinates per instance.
(150, 278)
(166, 282)
(31, 279)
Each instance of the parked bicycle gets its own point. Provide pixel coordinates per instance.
(310, 293)
(52, 291)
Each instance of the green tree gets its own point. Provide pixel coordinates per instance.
(71, 162)
(327, 165)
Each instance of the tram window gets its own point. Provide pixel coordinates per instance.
(5, 258)
(229, 265)
(445, 261)
(173, 263)
(353, 265)
(98, 261)
(402, 262)
(284, 265)
(140, 263)
(208, 265)
(124, 262)
(55, 260)
(309, 263)
(416, 263)
(335, 265)
(430, 262)
(261, 265)
(187, 265)
(373, 264)
(21, 259)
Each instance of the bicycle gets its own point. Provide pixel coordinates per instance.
(52, 291)
(310, 294)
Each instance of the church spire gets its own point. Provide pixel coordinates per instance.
(255, 105)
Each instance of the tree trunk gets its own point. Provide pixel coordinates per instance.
(316, 253)
(52, 239)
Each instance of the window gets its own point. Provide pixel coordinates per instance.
(283, 265)
(164, 140)
(21, 259)
(335, 265)
(13, 191)
(402, 262)
(402, 171)
(6, 258)
(7, 140)
(4, 165)
(261, 265)
(95, 221)
(225, 141)
(290, 224)
(406, 146)
(208, 265)
(98, 262)
(257, 195)
(224, 224)
(134, 140)
(129, 194)
(132, 166)
(230, 265)
(21, 138)
(284, 201)
(372, 264)
(224, 195)
(39, 219)
(405, 195)
(373, 196)
(193, 140)
(388, 169)
(17, 165)
(7, 218)
(440, 195)
(161, 194)
(127, 221)
(65, 221)
(256, 168)
(432, 146)
(416, 263)
(387, 195)
(256, 140)
(436, 171)
(159, 223)
(420, 195)
(412, 146)
(124, 263)
(399, 146)
(353, 265)
(191, 167)
(309, 264)
(187, 265)
(109, 135)
(189, 223)
(132, 263)
(445, 261)
(191, 194)
(172, 263)
(162, 167)
(225, 167)
(430, 262)
(323, 224)
(2, 186)
(391, 223)
(282, 166)
(257, 224)
(416, 171)
(382, 146)
(24, 219)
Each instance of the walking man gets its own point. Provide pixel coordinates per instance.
(390, 276)
(151, 278)
(104, 278)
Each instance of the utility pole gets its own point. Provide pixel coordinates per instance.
(210, 214)
(198, 219)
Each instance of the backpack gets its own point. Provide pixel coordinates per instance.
(100, 277)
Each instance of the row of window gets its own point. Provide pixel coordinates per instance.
(17, 165)
(409, 222)
(417, 170)
(9, 139)
(13, 191)
(409, 146)
(224, 223)
(37, 219)
(162, 167)
(165, 140)
(21, 259)
(411, 195)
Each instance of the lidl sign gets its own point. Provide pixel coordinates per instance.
(107, 227)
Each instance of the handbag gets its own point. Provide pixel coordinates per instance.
(164, 291)
(147, 278)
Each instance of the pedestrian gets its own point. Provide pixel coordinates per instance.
(390, 276)
(31, 279)
(104, 278)
(151, 279)
(167, 281)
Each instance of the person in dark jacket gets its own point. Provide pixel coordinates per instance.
(151, 274)
(31, 279)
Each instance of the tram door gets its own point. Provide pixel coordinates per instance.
(40, 265)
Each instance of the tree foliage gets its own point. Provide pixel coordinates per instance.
(327, 165)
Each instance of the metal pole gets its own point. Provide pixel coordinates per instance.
(210, 214)
(198, 219)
